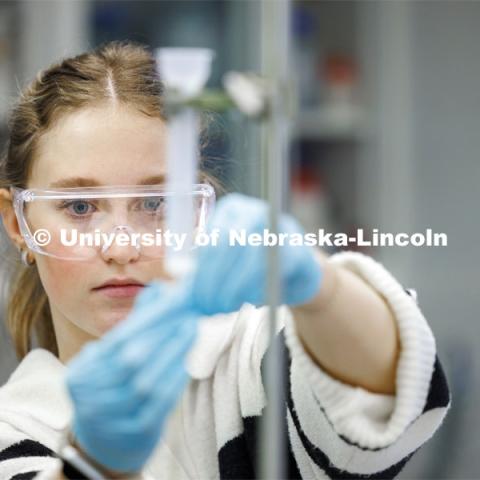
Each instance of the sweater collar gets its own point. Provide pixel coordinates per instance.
(36, 393)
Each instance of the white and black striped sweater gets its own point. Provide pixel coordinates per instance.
(334, 430)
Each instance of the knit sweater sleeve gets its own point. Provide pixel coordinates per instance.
(334, 430)
(22, 458)
(337, 430)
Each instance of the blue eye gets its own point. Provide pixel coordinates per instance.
(78, 208)
(152, 205)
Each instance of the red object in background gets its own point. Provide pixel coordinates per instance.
(306, 179)
(309, 199)
(340, 70)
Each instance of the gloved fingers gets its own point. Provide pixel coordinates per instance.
(301, 272)
(249, 264)
(236, 212)
(94, 367)
(168, 394)
(131, 356)
(124, 398)
(214, 262)
(115, 391)
(100, 405)
(227, 212)
(304, 284)
(91, 365)
(294, 254)
(145, 315)
(98, 364)
(123, 393)
(247, 280)
(225, 266)
(248, 284)
(127, 453)
(213, 267)
(211, 291)
(173, 353)
(151, 414)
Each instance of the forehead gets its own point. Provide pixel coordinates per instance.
(112, 145)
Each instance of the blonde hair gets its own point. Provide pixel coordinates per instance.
(120, 71)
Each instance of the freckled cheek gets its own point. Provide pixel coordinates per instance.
(63, 281)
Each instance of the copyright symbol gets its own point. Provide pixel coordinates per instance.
(42, 237)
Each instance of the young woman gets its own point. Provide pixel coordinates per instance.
(168, 382)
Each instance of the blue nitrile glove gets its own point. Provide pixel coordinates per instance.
(227, 276)
(124, 385)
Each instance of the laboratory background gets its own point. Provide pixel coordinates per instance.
(385, 134)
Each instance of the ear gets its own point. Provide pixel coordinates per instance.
(9, 218)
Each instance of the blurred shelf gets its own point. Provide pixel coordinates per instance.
(331, 124)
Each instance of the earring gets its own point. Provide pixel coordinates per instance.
(26, 260)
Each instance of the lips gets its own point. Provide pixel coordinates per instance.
(118, 282)
(120, 288)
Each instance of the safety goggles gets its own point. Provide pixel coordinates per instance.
(80, 223)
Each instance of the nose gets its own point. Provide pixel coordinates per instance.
(122, 249)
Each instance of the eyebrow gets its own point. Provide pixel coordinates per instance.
(91, 182)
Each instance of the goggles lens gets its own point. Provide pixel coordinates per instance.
(78, 224)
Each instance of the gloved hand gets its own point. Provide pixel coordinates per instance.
(124, 385)
(227, 276)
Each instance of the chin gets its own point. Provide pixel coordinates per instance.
(111, 321)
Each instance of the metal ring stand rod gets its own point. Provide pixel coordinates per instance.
(275, 153)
